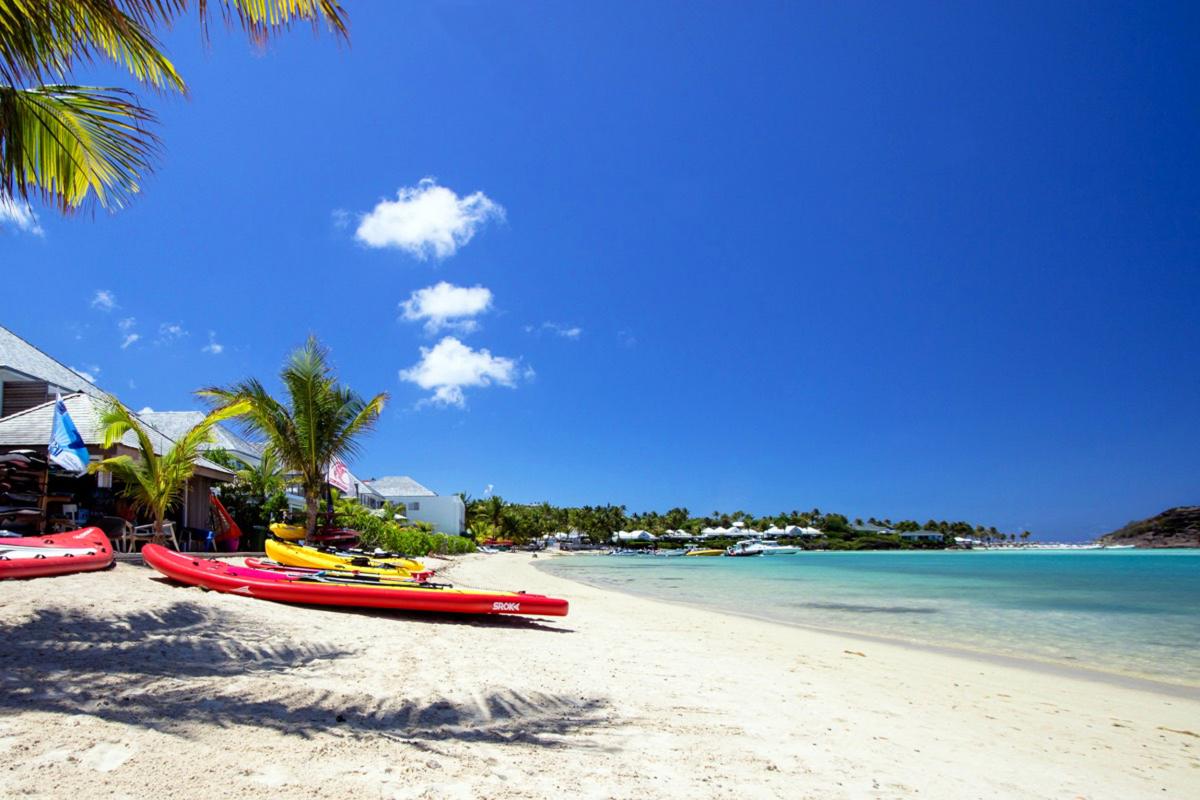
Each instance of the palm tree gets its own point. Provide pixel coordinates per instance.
(69, 144)
(320, 422)
(155, 481)
(492, 512)
(264, 478)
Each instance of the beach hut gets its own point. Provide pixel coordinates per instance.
(773, 532)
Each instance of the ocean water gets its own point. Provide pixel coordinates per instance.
(1128, 612)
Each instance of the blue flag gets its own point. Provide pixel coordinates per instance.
(67, 449)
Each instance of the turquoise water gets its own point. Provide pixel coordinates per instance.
(1132, 612)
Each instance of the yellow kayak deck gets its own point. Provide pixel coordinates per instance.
(296, 555)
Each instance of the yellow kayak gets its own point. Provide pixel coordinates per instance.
(705, 553)
(289, 532)
(296, 555)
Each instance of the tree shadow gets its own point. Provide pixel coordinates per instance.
(176, 669)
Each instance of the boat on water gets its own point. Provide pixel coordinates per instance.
(745, 548)
(705, 551)
(776, 549)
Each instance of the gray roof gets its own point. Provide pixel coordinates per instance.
(399, 486)
(364, 488)
(20, 356)
(31, 427)
(176, 423)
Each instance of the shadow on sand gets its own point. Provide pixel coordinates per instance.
(184, 665)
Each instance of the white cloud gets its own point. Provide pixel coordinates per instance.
(565, 331)
(213, 347)
(341, 218)
(427, 220)
(20, 216)
(126, 326)
(146, 410)
(88, 374)
(169, 332)
(626, 337)
(444, 305)
(488, 491)
(450, 366)
(104, 300)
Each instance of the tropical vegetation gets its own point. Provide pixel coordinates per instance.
(255, 497)
(69, 144)
(380, 529)
(494, 518)
(154, 482)
(319, 422)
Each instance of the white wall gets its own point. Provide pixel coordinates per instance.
(446, 514)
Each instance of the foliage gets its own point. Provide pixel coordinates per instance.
(69, 144)
(256, 496)
(385, 533)
(494, 518)
(320, 422)
(154, 482)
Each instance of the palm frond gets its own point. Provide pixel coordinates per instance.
(68, 144)
(262, 18)
(43, 41)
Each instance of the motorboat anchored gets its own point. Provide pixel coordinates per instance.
(747, 547)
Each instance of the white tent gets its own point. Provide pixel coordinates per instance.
(796, 530)
(774, 531)
(634, 536)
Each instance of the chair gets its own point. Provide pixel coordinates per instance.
(146, 533)
(118, 529)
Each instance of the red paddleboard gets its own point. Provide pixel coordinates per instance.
(55, 554)
(361, 591)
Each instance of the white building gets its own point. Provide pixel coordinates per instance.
(447, 514)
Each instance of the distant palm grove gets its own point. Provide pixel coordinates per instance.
(493, 518)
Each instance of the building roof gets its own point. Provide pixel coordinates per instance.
(399, 486)
(870, 527)
(175, 424)
(20, 356)
(31, 427)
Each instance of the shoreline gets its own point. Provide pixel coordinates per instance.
(1055, 668)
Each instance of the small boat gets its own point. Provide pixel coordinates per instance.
(55, 554)
(701, 551)
(744, 549)
(775, 549)
(275, 566)
(343, 537)
(323, 588)
(297, 555)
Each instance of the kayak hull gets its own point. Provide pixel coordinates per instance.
(295, 555)
(83, 550)
(360, 593)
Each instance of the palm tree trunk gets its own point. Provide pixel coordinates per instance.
(312, 503)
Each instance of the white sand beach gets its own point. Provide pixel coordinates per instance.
(119, 684)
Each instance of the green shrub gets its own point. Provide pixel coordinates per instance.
(386, 534)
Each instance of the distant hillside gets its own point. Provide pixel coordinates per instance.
(1175, 527)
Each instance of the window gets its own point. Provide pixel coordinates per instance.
(414, 506)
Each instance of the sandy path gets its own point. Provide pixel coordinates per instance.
(119, 685)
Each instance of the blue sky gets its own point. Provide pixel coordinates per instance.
(899, 261)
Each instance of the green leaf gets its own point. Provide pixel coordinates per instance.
(73, 144)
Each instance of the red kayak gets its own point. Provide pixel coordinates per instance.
(342, 589)
(55, 554)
